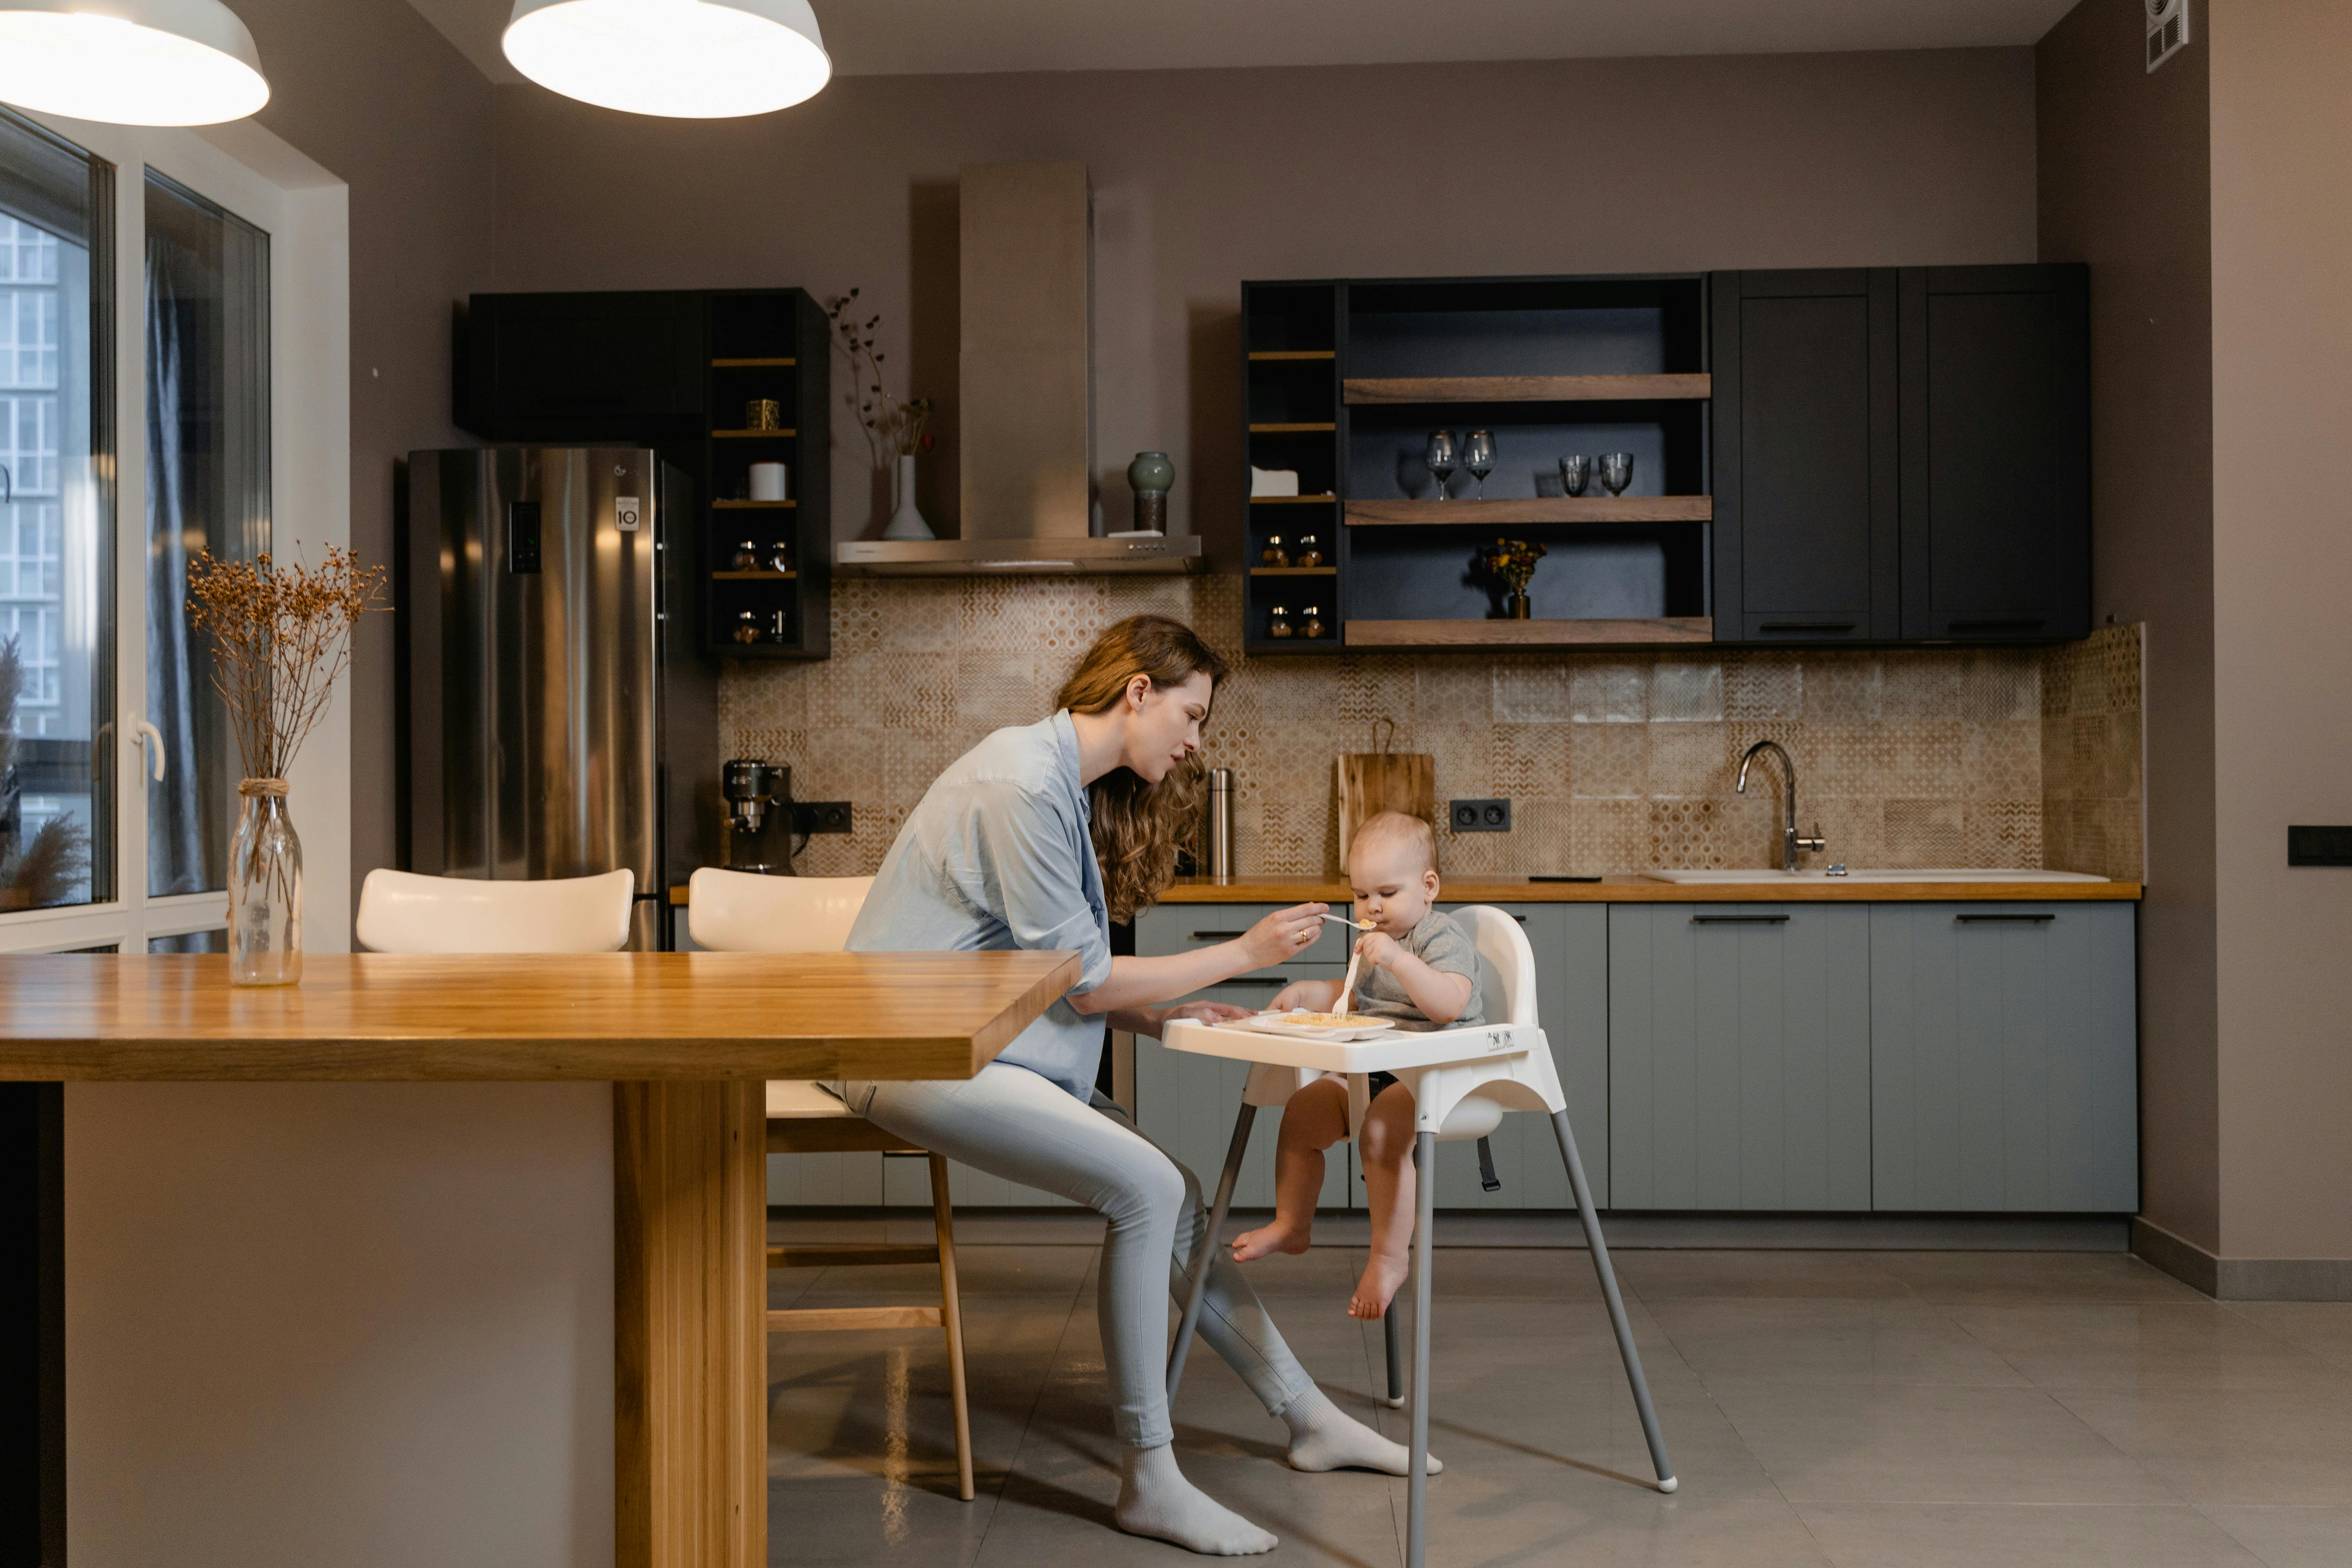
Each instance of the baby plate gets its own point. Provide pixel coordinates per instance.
(1299, 1024)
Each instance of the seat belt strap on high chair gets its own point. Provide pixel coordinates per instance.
(1487, 1177)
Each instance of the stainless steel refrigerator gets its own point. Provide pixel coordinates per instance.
(557, 718)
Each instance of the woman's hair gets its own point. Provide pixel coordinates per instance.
(1138, 826)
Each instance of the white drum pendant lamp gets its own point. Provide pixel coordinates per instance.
(695, 59)
(129, 62)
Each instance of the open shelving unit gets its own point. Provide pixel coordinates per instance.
(1345, 379)
(767, 343)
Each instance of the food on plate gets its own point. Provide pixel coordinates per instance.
(1330, 1020)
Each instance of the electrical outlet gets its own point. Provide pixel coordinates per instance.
(1481, 816)
(820, 817)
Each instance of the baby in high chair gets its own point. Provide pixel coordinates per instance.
(1416, 966)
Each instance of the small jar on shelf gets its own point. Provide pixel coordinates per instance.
(1312, 624)
(1278, 621)
(747, 629)
(1272, 554)
(780, 558)
(780, 626)
(747, 557)
(1310, 552)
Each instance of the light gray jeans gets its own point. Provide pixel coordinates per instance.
(1010, 1122)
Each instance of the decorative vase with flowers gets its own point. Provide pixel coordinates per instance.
(1512, 563)
(894, 430)
(281, 636)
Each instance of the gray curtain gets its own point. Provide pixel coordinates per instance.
(180, 857)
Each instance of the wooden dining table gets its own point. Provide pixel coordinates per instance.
(687, 1039)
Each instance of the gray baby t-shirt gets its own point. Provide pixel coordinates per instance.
(1439, 942)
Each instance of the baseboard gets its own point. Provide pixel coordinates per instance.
(2243, 1278)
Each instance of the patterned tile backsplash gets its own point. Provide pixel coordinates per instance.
(1613, 761)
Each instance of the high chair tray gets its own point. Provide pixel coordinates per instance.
(1393, 1051)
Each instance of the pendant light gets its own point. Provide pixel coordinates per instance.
(129, 62)
(699, 59)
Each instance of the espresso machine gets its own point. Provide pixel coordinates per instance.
(758, 817)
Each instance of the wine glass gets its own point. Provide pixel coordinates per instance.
(1617, 471)
(1575, 473)
(1478, 456)
(1440, 459)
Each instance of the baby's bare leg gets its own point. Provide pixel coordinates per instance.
(1315, 1118)
(1384, 1143)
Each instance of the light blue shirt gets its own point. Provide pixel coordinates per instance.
(998, 855)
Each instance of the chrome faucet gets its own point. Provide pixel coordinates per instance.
(1791, 843)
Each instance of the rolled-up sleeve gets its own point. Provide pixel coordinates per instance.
(1027, 855)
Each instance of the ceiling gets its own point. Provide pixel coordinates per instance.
(896, 38)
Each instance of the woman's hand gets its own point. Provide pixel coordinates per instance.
(1284, 934)
(1207, 1012)
(1378, 949)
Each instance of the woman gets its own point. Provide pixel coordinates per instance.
(1039, 838)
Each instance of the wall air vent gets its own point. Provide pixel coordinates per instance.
(2168, 30)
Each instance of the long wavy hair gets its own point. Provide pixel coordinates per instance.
(1139, 826)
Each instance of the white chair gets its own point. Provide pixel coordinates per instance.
(736, 912)
(1463, 1082)
(403, 912)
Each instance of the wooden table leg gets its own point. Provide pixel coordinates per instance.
(691, 1346)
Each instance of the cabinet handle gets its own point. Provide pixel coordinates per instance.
(1218, 935)
(1804, 626)
(2005, 919)
(2010, 623)
(1270, 982)
(1742, 920)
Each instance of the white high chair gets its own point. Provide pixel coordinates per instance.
(736, 912)
(401, 911)
(1463, 1080)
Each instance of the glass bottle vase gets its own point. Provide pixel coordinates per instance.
(265, 889)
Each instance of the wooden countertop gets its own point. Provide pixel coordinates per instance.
(600, 1017)
(1629, 890)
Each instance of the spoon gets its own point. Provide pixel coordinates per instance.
(1348, 984)
(1345, 922)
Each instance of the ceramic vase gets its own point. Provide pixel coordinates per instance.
(265, 889)
(1516, 605)
(1150, 476)
(906, 522)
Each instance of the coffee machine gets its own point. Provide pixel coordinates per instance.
(758, 817)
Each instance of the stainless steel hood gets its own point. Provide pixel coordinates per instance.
(1025, 404)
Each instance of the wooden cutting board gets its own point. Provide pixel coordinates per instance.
(1374, 782)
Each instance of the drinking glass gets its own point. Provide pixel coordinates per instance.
(1478, 456)
(1575, 473)
(1617, 471)
(1440, 459)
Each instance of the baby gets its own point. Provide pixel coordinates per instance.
(1416, 966)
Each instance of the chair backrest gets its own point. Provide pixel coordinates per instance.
(1506, 977)
(741, 911)
(403, 912)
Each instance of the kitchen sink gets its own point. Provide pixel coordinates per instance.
(1936, 874)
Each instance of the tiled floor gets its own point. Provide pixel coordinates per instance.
(1867, 1410)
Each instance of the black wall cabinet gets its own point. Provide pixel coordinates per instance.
(540, 367)
(1902, 454)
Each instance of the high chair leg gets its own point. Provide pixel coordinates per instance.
(1205, 1248)
(1416, 1529)
(952, 1319)
(1600, 1266)
(1395, 1400)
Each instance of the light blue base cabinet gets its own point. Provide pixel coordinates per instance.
(2003, 1042)
(1740, 1057)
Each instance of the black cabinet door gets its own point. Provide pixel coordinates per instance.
(1806, 496)
(1995, 453)
(581, 366)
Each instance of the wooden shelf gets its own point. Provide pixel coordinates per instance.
(1528, 634)
(1294, 571)
(1540, 509)
(752, 363)
(1293, 354)
(753, 576)
(753, 505)
(1526, 388)
(1326, 428)
(752, 435)
(1291, 501)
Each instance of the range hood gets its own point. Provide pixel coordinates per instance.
(1026, 404)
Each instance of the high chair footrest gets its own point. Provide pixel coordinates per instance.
(853, 1255)
(807, 1319)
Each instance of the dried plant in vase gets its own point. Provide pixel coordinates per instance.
(281, 636)
(41, 872)
(893, 431)
(1512, 563)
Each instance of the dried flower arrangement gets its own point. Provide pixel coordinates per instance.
(1512, 562)
(281, 637)
(42, 872)
(892, 429)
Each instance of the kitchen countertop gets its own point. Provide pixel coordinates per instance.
(1636, 889)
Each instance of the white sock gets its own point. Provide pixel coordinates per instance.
(1325, 1437)
(1155, 1500)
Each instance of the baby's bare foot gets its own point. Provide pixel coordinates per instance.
(1377, 1287)
(1275, 1237)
